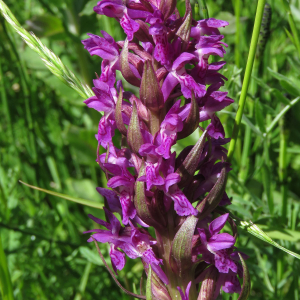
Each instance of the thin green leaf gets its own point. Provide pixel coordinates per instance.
(83, 281)
(290, 88)
(281, 114)
(245, 121)
(289, 35)
(286, 83)
(266, 176)
(66, 197)
(51, 61)
(256, 231)
(279, 96)
(261, 83)
(259, 116)
(5, 280)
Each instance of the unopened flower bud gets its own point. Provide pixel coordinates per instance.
(150, 91)
(134, 134)
(208, 286)
(125, 68)
(192, 121)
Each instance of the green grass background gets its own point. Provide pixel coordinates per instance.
(47, 139)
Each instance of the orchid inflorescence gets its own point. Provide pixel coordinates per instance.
(166, 56)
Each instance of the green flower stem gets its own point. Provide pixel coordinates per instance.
(237, 51)
(5, 280)
(203, 8)
(249, 66)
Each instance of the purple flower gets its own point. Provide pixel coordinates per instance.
(123, 182)
(212, 102)
(162, 50)
(130, 239)
(216, 247)
(178, 74)
(207, 27)
(108, 50)
(185, 296)
(126, 16)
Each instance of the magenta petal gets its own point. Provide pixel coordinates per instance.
(171, 179)
(220, 242)
(224, 263)
(129, 26)
(99, 221)
(182, 205)
(182, 60)
(103, 237)
(215, 129)
(115, 223)
(203, 237)
(169, 85)
(111, 197)
(117, 258)
(217, 224)
(231, 284)
(128, 209)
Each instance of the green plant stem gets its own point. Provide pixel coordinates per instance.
(164, 245)
(237, 49)
(247, 77)
(5, 280)
(203, 8)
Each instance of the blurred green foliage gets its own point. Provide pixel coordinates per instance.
(47, 139)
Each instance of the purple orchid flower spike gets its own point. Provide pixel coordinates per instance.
(155, 190)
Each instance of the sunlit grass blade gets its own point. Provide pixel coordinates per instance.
(256, 231)
(66, 197)
(5, 281)
(52, 62)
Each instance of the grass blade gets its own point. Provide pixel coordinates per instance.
(66, 197)
(256, 231)
(51, 61)
(5, 281)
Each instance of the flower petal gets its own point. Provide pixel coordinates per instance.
(217, 224)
